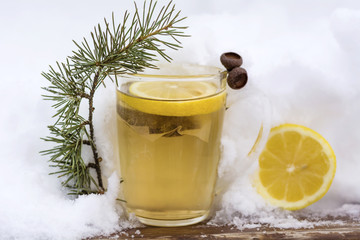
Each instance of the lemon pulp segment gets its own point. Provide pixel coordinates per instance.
(296, 167)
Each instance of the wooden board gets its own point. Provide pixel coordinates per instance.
(349, 230)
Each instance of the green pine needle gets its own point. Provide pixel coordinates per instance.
(113, 48)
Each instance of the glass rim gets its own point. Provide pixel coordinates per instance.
(214, 72)
(176, 72)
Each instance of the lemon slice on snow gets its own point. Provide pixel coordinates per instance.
(185, 98)
(296, 167)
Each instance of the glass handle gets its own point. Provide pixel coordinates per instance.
(243, 106)
(264, 130)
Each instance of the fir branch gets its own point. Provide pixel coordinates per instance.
(119, 48)
(114, 48)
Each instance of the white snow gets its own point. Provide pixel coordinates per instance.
(303, 55)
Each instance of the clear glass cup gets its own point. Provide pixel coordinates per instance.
(169, 149)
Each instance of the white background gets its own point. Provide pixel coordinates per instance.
(304, 55)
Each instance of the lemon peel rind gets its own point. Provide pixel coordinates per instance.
(327, 178)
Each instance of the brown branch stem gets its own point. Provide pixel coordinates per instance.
(83, 95)
(95, 165)
(91, 165)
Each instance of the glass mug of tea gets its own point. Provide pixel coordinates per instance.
(169, 124)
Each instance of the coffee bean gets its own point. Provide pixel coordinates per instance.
(231, 60)
(237, 78)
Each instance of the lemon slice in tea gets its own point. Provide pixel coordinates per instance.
(296, 167)
(185, 98)
(172, 90)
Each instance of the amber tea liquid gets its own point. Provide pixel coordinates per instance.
(168, 163)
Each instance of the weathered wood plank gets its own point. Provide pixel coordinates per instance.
(350, 230)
